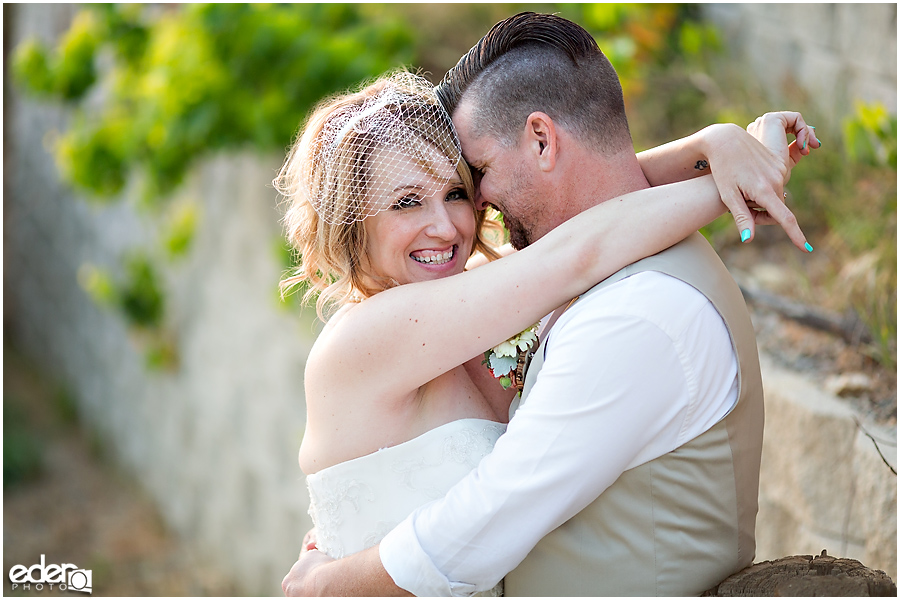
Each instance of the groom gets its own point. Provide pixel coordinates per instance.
(631, 466)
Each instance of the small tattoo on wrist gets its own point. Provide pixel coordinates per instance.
(701, 165)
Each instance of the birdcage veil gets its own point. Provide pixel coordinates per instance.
(403, 122)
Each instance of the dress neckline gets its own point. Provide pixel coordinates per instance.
(388, 450)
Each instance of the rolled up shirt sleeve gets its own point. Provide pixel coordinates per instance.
(619, 387)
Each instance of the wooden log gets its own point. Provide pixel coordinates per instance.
(808, 576)
(849, 327)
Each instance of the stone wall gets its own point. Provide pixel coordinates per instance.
(215, 441)
(836, 53)
(824, 482)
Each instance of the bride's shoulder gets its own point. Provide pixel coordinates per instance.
(327, 343)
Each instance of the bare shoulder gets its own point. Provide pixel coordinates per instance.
(348, 415)
(324, 356)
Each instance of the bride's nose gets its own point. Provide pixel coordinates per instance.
(441, 226)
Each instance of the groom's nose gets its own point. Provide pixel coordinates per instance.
(480, 202)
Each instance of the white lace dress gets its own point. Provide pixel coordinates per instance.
(354, 504)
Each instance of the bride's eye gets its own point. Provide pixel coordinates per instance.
(457, 194)
(406, 202)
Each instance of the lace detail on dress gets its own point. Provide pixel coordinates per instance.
(354, 504)
(382, 528)
(466, 447)
(327, 507)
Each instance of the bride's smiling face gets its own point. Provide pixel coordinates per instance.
(427, 228)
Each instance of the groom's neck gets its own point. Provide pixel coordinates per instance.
(611, 177)
(591, 180)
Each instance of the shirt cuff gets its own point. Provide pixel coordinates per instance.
(412, 569)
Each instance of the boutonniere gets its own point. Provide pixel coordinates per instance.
(503, 358)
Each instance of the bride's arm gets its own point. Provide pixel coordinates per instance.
(738, 156)
(734, 157)
(399, 339)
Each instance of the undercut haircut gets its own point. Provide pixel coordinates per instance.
(538, 62)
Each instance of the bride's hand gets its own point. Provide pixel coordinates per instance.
(747, 171)
(309, 541)
(771, 129)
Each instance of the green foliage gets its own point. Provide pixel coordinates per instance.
(189, 81)
(870, 136)
(137, 293)
(180, 230)
(69, 72)
(854, 205)
(180, 82)
(22, 454)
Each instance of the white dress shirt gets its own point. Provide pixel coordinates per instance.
(632, 372)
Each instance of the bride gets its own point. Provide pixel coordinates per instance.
(399, 403)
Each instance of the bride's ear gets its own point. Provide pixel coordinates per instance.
(541, 137)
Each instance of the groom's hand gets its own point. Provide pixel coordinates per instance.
(300, 581)
(360, 574)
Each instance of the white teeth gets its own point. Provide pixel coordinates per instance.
(436, 259)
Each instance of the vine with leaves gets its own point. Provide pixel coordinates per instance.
(155, 89)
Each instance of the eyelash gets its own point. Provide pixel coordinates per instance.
(406, 202)
(459, 192)
(410, 201)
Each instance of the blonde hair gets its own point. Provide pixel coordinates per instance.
(331, 251)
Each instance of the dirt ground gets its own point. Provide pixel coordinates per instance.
(81, 509)
(780, 269)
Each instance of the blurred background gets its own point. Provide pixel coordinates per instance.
(153, 378)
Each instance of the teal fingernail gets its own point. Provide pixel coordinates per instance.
(803, 147)
(820, 142)
(808, 247)
(745, 235)
(812, 126)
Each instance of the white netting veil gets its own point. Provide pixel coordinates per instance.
(392, 137)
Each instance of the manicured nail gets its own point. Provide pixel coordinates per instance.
(808, 247)
(745, 235)
(803, 147)
(820, 142)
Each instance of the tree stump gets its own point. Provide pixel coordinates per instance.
(809, 576)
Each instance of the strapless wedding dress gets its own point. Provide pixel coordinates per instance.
(354, 504)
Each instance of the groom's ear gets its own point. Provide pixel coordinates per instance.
(541, 139)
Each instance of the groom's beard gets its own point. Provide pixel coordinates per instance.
(518, 236)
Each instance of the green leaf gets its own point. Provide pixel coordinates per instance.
(501, 365)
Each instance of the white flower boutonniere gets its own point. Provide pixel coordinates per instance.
(503, 358)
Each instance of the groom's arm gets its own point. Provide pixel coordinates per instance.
(578, 431)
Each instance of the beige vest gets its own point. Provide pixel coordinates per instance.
(680, 524)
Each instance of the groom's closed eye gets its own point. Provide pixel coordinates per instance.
(477, 174)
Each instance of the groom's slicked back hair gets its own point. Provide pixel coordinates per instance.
(539, 62)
